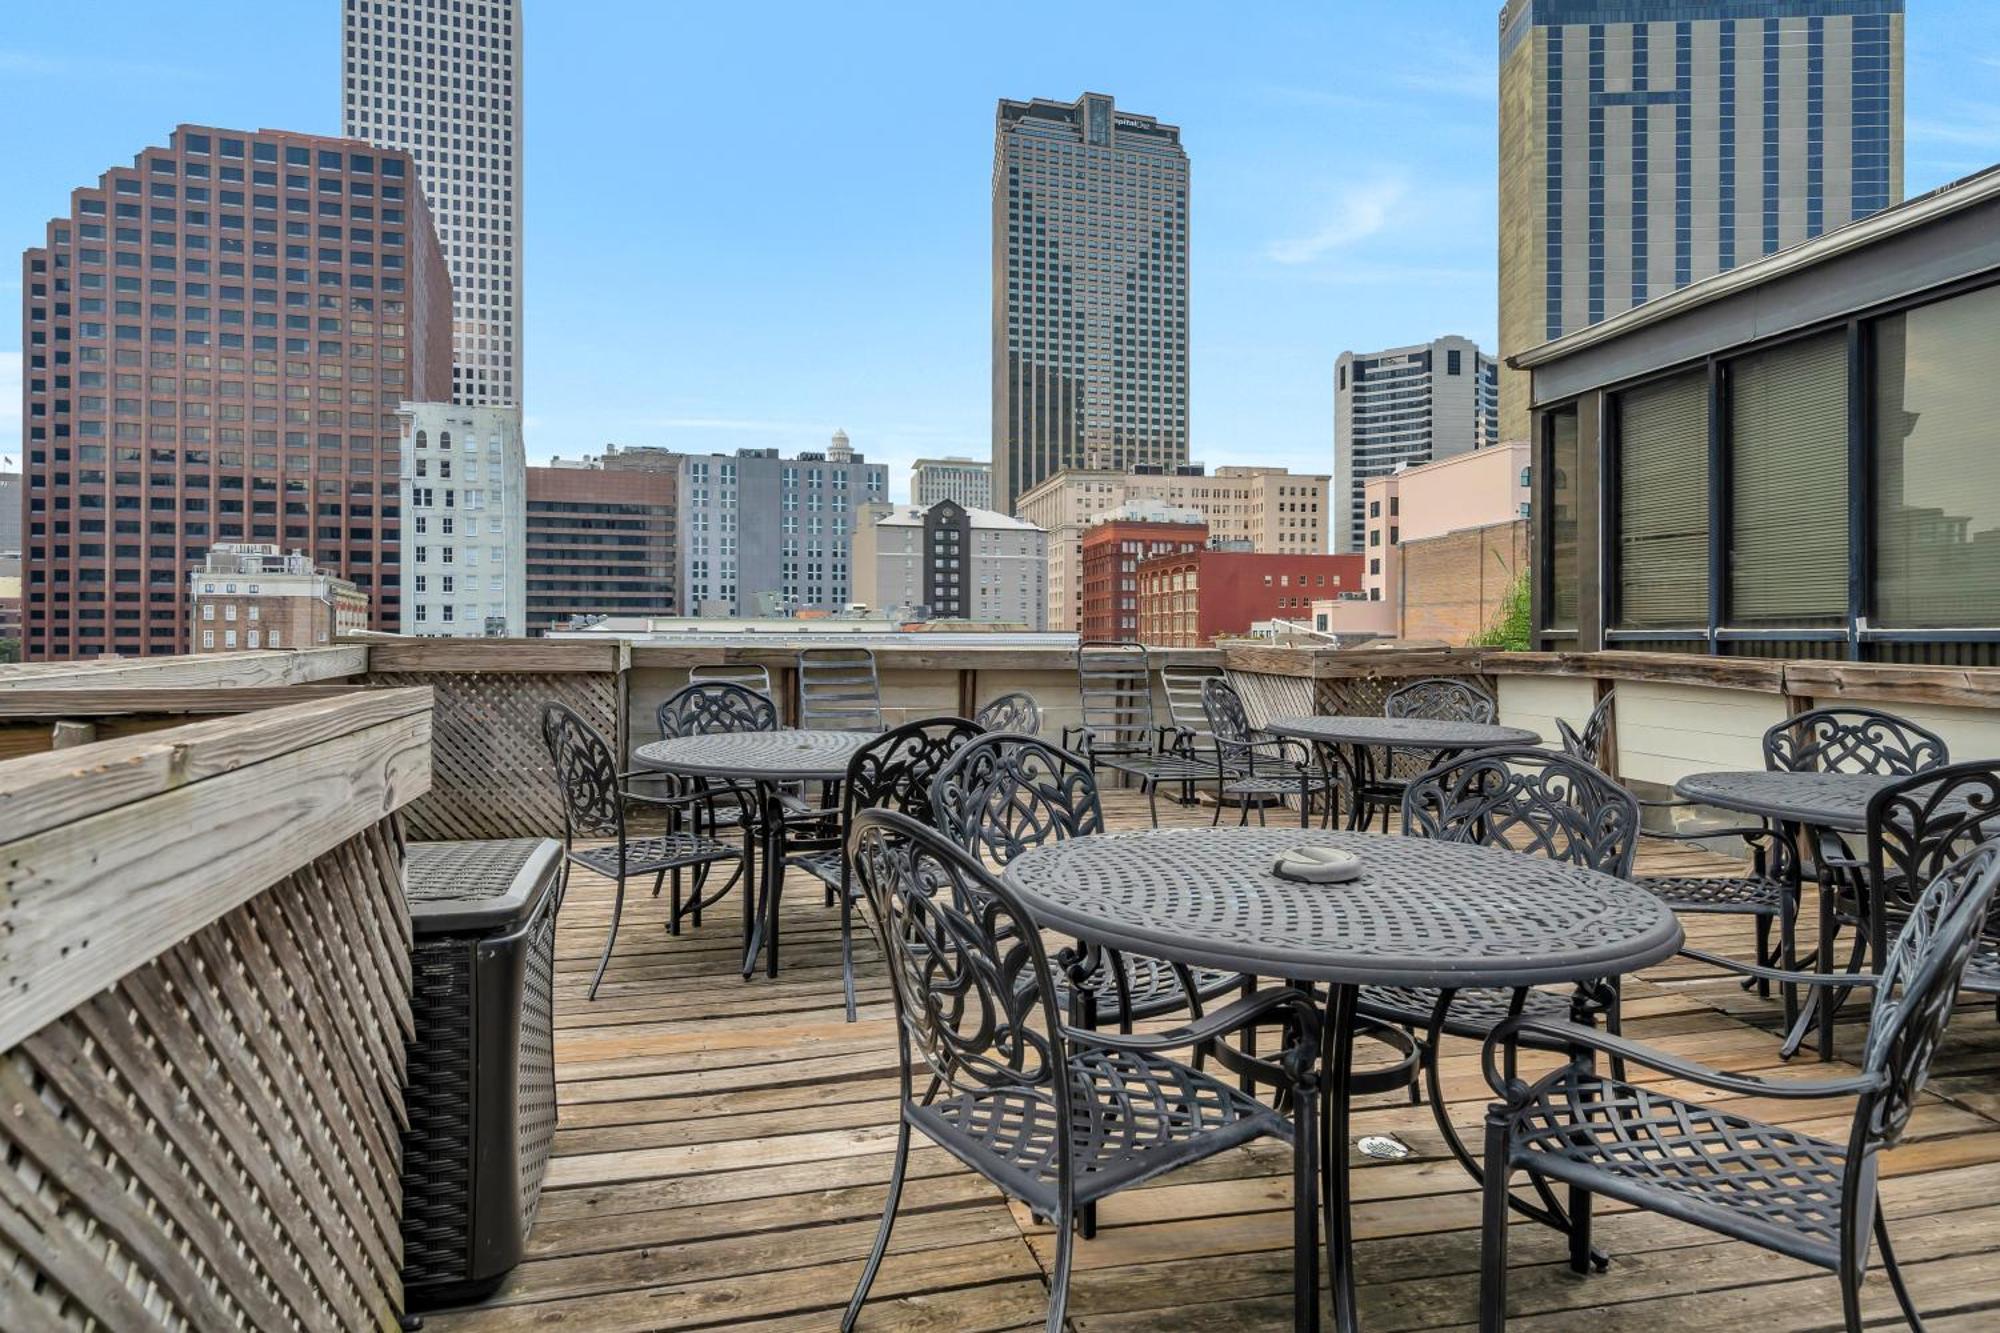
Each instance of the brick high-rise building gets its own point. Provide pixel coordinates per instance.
(1112, 553)
(216, 341)
(1638, 154)
(1190, 598)
(599, 543)
(1268, 508)
(1090, 292)
(441, 80)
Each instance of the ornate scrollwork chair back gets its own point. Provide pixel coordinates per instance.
(1017, 713)
(970, 980)
(586, 774)
(1917, 986)
(1003, 794)
(1441, 699)
(1925, 823)
(1588, 744)
(1228, 722)
(1853, 740)
(1530, 800)
(711, 707)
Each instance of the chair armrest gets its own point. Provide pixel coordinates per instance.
(1843, 980)
(1232, 1017)
(1588, 1038)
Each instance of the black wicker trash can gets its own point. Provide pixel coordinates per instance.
(481, 1093)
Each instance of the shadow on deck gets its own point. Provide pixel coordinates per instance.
(724, 1147)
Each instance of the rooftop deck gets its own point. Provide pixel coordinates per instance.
(724, 1148)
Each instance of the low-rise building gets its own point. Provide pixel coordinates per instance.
(1113, 550)
(1269, 508)
(465, 517)
(969, 481)
(1445, 543)
(246, 597)
(955, 562)
(598, 543)
(1191, 598)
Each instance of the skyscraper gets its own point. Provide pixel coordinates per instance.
(441, 80)
(217, 338)
(1090, 292)
(1402, 407)
(1638, 156)
(599, 543)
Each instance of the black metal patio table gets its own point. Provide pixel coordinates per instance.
(1352, 740)
(1837, 802)
(1422, 913)
(769, 760)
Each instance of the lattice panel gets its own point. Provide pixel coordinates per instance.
(212, 1143)
(1265, 697)
(490, 774)
(1364, 696)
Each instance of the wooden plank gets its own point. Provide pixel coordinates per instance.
(194, 671)
(85, 902)
(38, 792)
(1826, 682)
(99, 702)
(511, 656)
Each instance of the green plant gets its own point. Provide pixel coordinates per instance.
(1509, 629)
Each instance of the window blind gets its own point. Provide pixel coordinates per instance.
(1788, 484)
(1937, 477)
(1663, 503)
(1563, 569)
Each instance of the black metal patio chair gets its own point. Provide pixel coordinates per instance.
(893, 772)
(1781, 1189)
(1253, 767)
(1588, 744)
(1528, 800)
(594, 800)
(839, 690)
(1016, 712)
(704, 708)
(1432, 698)
(1915, 828)
(1119, 731)
(1054, 1115)
(1001, 795)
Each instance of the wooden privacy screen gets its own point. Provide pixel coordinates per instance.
(204, 995)
(492, 777)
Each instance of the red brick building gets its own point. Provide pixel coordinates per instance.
(1112, 553)
(1186, 599)
(216, 340)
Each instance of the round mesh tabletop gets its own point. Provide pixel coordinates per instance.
(1422, 913)
(1823, 800)
(786, 755)
(1413, 732)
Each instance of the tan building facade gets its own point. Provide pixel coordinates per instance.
(255, 597)
(959, 562)
(1268, 508)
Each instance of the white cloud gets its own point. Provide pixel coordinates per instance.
(1360, 212)
(33, 65)
(1454, 72)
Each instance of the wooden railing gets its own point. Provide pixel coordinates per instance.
(204, 996)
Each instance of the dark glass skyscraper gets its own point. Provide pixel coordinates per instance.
(1090, 292)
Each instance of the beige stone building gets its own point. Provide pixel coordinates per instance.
(1268, 508)
(248, 597)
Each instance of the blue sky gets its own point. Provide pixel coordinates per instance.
(750, 224)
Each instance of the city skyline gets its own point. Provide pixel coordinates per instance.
(1314, 228)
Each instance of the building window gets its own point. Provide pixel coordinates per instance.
(1662, 549)
(1936, 486)
(1788, 484)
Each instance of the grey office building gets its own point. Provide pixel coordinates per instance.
(765, 535)
(1403, 407)
(1090, 292)
(1646, 145)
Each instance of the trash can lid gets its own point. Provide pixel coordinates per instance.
(469, 886)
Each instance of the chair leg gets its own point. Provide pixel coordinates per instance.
(610, 938)
(1579, 1230)
(1493, 1227)
(1059, 1276)
(881, 1247)
(1895, 1273)
(1305, 1207)
(1763, 984)
(673, 900)
(847, 951)
(1086, 1221)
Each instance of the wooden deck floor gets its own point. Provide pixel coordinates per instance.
(724, 1146)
